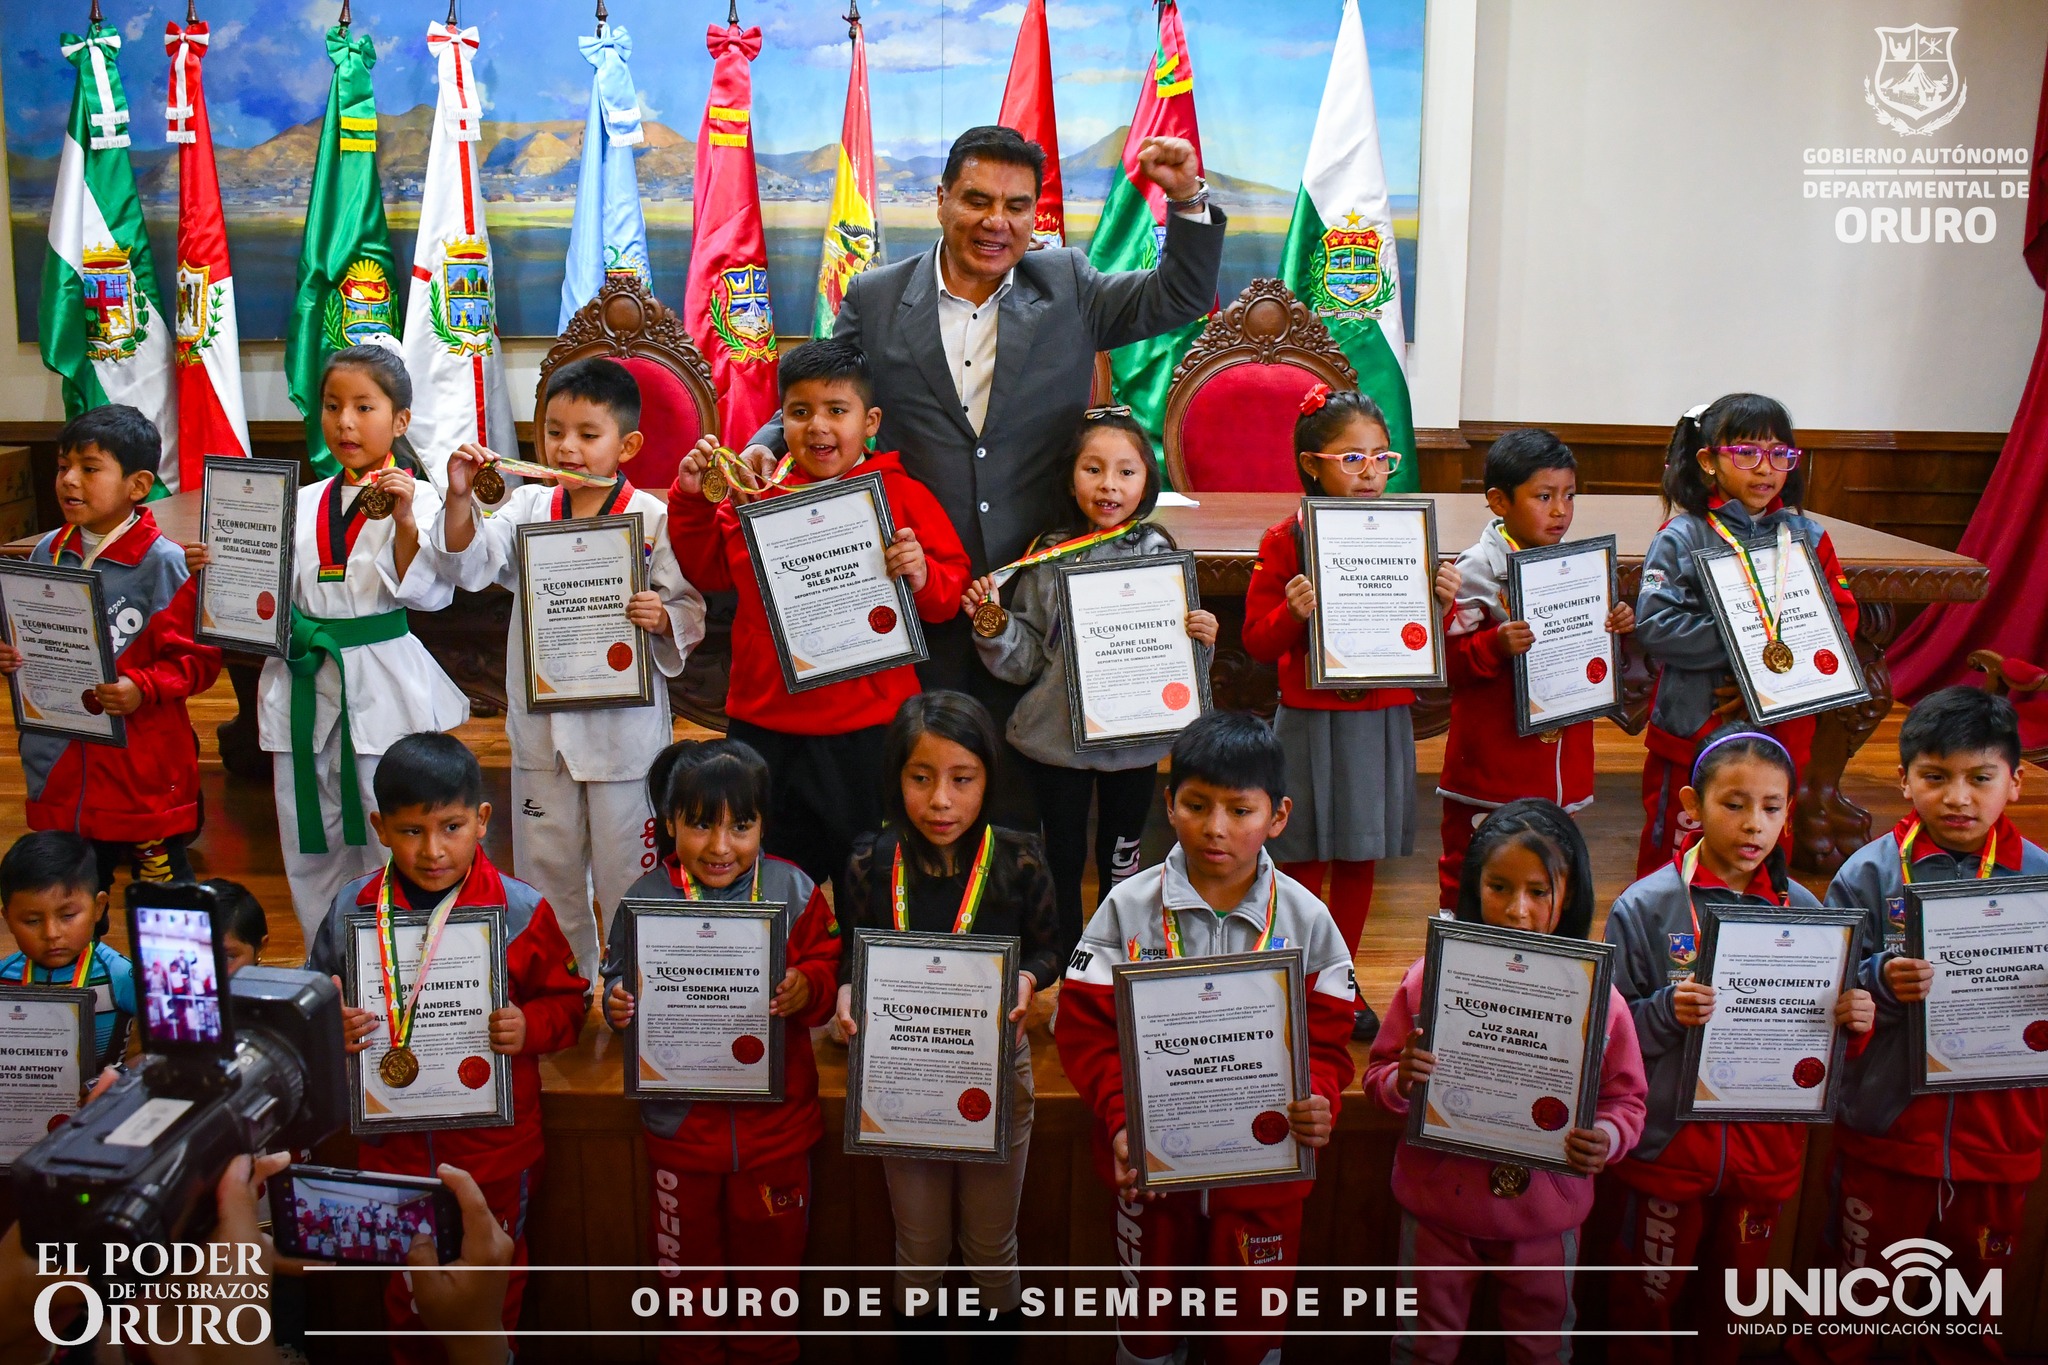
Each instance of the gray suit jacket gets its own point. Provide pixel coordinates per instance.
(1007, 486)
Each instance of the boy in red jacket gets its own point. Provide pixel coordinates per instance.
(431, 816)
(1532, 483)
(824, 746)
(1217, 892)
(732, 1182)
(139, 803)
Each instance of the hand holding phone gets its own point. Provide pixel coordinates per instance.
(320, 1213)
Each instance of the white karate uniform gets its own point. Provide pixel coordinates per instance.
(581, 819)
(395, 688)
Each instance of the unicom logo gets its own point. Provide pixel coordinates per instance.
(1918, 1283)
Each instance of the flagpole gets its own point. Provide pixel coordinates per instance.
(601, 17)
(94, 17)
(342, 23)
(852, 18)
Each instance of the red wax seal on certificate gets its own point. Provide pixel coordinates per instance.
(882, 620)
(2036, 1035)
(1175, 695)
(90, 700)
(266, 606)
(1596, 670)
(1550, 1113)
(1414, 636)
(1808, 1073)
(56, 1121)
(974, 1105)
(747, 1049)
(619, 656)
(1825, 661)
(1270, 1126)
(474, 1072)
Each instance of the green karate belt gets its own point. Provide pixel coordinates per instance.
(315, 640)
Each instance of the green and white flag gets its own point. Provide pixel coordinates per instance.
(101, 321)
(1340, 259)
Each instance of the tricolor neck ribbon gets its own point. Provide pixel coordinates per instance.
(693, 892)
(1986, 860)
(970, 899)
(736, 473)
(1170, 920)
(614, 502)
(1690, 865)
(80, 970)
(1767, 612)
(72, 540)
(1509, 540)
(1062, 550)
(400, 1018)
(337, 525)
(527, 469)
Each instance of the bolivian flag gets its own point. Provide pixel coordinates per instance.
(853, 235)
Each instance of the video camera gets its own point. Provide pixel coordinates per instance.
(232, 1067)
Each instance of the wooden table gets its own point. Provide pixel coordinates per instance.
(1885, 572)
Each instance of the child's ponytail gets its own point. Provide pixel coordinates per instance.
(1729, 419)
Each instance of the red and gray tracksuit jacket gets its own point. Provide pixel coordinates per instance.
(1676, 629)
(541, 978)
(150, 789)
(1655, 928)
(713, 1136)
(713, 553)
(1130, 926)
(1487, 762)
(1273, 634)
(1990, 1135)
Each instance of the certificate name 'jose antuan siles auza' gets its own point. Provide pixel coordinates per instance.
(245, 592)
(819, 559)
(1769, 1046)
(1985, 1021)
(932, 1067)
(44, 1035)
(461, 1082)
(575, 579)
(1511, 1023)
(703, 985)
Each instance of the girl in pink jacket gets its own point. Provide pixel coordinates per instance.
(1527, 869)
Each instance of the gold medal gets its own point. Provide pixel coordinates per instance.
(1778, 657)
(1552, 736)
(716, 485)
(488, 484)
(990, 620)
(1508, 1181)
(375, 502)
(399, 1068)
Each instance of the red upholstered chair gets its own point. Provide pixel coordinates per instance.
(1230, 412)
(677, 401)
(2027, 686)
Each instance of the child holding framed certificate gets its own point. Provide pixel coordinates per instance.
(732, 1179)
(1731, 477)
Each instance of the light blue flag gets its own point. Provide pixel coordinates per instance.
(609, 233)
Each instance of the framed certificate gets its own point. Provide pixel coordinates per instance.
(928, 1070)
(703, 974)
(46, 1059)
(833, 609)
(1812, 666)
(247, 511)
(1771, 1051)
(1214, 1049)
(1984, 1024)
(575, 580)
(1133, 674)
(1376, 622)
(459, 1082)
(1518, 1022)
(1573, 671)
(57, 618)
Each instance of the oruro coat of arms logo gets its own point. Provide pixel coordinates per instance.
(1353, 271)
(1916, 87)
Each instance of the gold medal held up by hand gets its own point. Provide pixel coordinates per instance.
(716, 485)
(376, 502)
(399, 1068)
(990, 620)
(488, 484)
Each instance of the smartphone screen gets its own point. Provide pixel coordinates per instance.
(178, 974)
(360, 1217)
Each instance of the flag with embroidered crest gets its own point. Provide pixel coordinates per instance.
(853, 233)
(608, 235)
(451, 315)
(101, 320)
(725, 303)
(346, 272)
(212, 419)
(1340, 257)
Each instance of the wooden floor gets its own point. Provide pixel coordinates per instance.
(240, 839)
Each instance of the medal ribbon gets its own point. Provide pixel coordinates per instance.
(400, 1020)
(79, 971)
(1690, 865)
(1502, 527)
(739, 476)
(970, 900)
(615, 501)
(1986, 860)
(1170, 921)
(1061, 551)
(693, 892)
(528, 469)
(72, 538)
(1767, 613)
(337, 527)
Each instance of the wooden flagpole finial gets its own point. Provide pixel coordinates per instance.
(852, 18)
(94, 17)
(345, 20)
(451, 13)
(601, 17)
(191, 12)
(732, 13)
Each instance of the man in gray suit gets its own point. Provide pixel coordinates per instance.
(983, 351)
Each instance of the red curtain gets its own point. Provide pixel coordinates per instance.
(2009, 529)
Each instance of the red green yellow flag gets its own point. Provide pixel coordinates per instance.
(853, 234)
